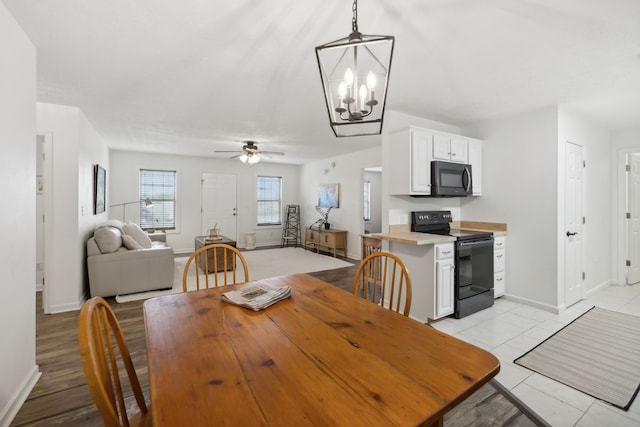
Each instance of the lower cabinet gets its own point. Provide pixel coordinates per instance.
(328, 240)
(445, 269)
(432, 271)
(499, 282)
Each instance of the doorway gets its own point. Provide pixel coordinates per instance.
(633, 218)
(573, 221)
(219, 204)
(372, 200)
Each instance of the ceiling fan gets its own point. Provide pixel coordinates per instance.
(250, 153)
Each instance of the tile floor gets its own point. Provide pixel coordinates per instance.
(509, 329)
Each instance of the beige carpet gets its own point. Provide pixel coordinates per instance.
(598, 354)
(262, 264)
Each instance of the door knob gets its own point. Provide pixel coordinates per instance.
(569, 234)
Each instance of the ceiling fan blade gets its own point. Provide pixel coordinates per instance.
(228, 151)
(236, 156)
(273, 153)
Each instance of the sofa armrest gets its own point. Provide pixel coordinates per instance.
(158, 237)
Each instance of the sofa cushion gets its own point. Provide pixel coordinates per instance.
(108, 239)
(130, 243)
(112, 223)
(138, 234)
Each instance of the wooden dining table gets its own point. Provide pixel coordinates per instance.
(322, 357)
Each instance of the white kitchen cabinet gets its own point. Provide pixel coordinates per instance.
(475, 160)
(450, 148)
(411, 151)
(499, 250)
(431, 268)
(410, 162)
(445, 269)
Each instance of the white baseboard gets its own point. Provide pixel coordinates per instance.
(10, 411)
(546, 307)
(598, 288)
(62, 308)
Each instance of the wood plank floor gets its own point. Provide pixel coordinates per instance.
(61, 396)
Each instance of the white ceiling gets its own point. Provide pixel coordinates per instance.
(193, 76)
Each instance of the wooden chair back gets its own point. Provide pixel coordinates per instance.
(382, 278)
(370, 245)
(216, 263)
(98, 331)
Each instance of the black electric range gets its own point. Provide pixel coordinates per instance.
(473, 283)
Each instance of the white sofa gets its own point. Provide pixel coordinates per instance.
(123, 259)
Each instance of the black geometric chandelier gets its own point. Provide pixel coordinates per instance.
(355, 76)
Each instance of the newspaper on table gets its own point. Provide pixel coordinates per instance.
(257, 296)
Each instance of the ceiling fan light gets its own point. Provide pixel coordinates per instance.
(243, 157)
(254, 158)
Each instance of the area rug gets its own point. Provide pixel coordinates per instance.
(262, 264)
(597, 354)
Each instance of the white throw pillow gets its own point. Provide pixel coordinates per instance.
(109, 239)
(138, 234)
(130, 243)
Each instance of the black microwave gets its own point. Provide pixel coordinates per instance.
(450, 179)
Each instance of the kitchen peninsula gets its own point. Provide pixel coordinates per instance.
(431, 262)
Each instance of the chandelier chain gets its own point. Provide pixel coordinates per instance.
(354, 20)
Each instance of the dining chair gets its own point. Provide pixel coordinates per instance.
(382, 278)
(215, 262)
(98, 328)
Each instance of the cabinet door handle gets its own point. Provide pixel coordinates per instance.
(499, 256)
(499, 279)
(446, 252)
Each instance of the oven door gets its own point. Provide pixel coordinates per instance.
(474, 269)
(450, 179)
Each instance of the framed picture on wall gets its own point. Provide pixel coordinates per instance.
(329, 195)
(99, 189)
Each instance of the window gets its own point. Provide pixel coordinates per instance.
(160, 187)
(367, 201)
(269, 200)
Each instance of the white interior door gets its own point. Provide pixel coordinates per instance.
(574, 167)
(633, 222)
(219, 201)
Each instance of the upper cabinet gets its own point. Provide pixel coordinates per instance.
(450, 148)
(412, 150)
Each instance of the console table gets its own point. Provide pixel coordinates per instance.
(330, 240)
(201, 241)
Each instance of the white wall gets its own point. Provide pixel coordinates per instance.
(123, 185)
(597, 200)
(520, 170)
(348, 173)
(18, 369)
(76, 147)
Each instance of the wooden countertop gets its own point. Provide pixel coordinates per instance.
(413, 238)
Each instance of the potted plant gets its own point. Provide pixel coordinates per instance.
(214, 232)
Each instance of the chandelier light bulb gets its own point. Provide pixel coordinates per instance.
(348, 77)
(342, 90)
(371, 80)
(363, 92)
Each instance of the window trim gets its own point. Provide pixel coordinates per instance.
(258, 201)
(366, 200)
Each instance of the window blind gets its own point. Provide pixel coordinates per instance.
(160, 187)
(269, 200)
